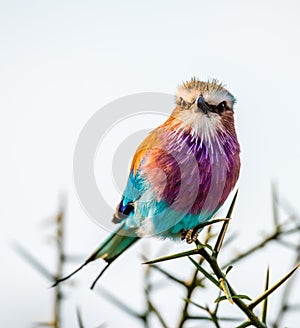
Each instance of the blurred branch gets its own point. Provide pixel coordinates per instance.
(275, 205)
(59, 268)
(32, 261)
(285, 306)
(165, 273)
(151, 308)
(274, 235)
(212, 315)
(79, 318)
(59, 238)
(121, 305)
(207, 269)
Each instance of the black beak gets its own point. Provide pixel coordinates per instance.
(202, 105)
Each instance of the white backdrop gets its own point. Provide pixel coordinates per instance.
(62, 60)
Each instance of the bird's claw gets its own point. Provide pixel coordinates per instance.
(190, 235)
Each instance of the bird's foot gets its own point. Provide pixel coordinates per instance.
(190, 235)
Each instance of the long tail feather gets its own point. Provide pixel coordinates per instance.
(100, 275)
(68, 276)
(109, 250)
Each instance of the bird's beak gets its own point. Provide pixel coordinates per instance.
(202, 105)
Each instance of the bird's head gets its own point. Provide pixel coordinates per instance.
(204, 107)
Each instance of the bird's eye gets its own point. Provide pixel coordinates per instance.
(221, 107)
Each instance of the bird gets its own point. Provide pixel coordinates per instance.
(180, 175)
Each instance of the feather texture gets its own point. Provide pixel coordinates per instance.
(181, 174)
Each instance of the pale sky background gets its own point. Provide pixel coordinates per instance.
(61, 61)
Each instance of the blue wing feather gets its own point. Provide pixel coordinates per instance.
(134, 189)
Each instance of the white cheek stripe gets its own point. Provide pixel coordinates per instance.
(201, 125)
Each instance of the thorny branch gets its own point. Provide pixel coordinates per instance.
(280, 230)
(279, 234)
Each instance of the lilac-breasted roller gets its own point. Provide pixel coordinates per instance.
(181, 174)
